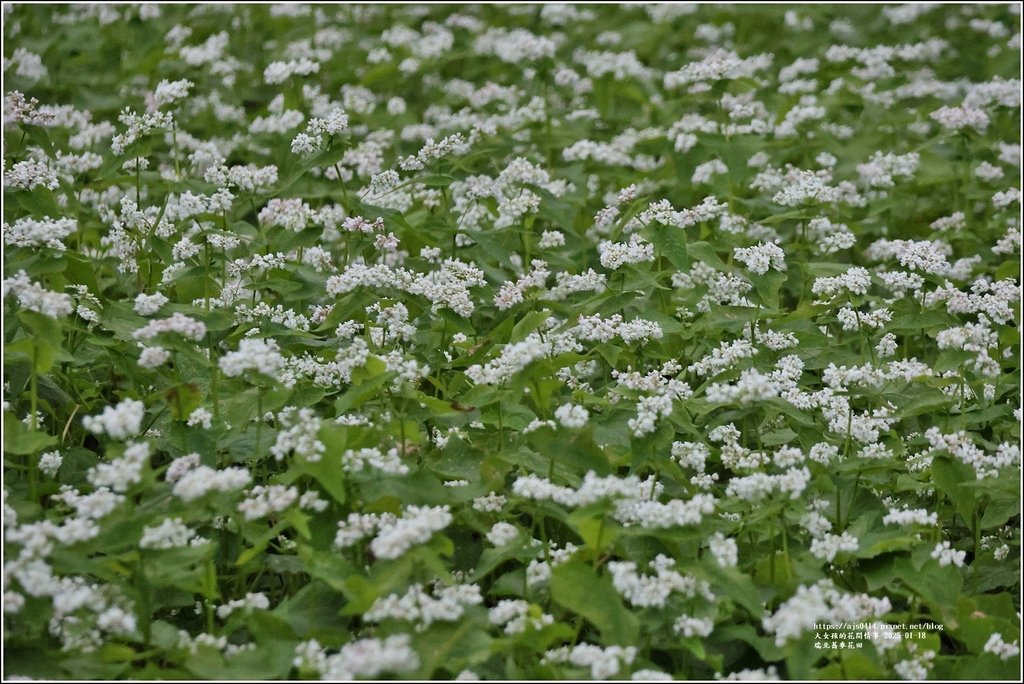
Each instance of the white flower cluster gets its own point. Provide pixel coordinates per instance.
(616, 254)
(502, 534)
(600, 329)
(279, 72)
(514, 46)
(688, 626)
(516, 615)
(828, 546)
(760, 258)
(830, 237)
(298, 434)
(517, 356)
(719, 64)
(119, 422)
(724, 549)
(192, 481)
(603, 663)
(447, 287)
(261, 355)
(123, 472)
(572, 416)
(961, 447)
(35, 297)
(147, 305)
(910, 516)
(168, 92)
(662, 212)
(333, 123)
(169, 534)
(947, 555)
(648, 591)
(512, 292)
(958, 118)
(363, 658)
(178, 323)
(882, 169)
(754, 386)
(388, 462)
(757, 486)
(30, 174)
(1000, 647)
(248, 603)
(396, 535)
(821, 602)
(50, 462)
(245, 177)
(45, 232)
(856, 280)
(593, 488)
(723, 357)
(651, 514)
(262, 501)
(441, 604)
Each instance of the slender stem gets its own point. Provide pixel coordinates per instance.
(785, 540)
(839, 502)
(259, 418)
(501, 429)
(214, 382)
(31, 461)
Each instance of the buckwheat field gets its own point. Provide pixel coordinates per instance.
(522, 341)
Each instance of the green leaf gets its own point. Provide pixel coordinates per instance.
(576, 587)
(937, 586)
(948, 475)
(19, 440)
(183, 399)
(767, 286)
(670, 242)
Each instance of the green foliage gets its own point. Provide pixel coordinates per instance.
(485, 380)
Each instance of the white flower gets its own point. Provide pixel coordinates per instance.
(169, 534)
(502, 533)
(958, 118)
(251, 601)
(572, 416)
(178, 323)
(828, 545)
(278, 72)
(201, 417)
(120, 422)
(147, 305)
(515, 616)
(263, 356)
(603, 663)
(35, 297)
(724, 549)
(169, 91)
(654, 590)
(908, 516)
(443, 604)
(416, 526)
(363, 658)
(821, 602)
(616, 254)
(153, 357)
(947, 555)
(760, 258)
(31, 232)
(50, 462)
(1005, 650)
